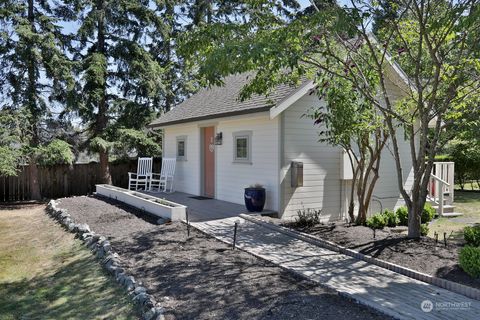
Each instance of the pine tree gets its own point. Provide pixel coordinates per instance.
(35, 73)
(178, 77)
(118, 79)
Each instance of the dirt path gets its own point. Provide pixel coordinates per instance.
(47, 274)
(202, 278)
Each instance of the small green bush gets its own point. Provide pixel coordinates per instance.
(472, 235)
(377, 221)
(391, 218)
(428, 213)
(307, 217)
(424, 229)
(402, 214)
(469, 259)
(56, 152)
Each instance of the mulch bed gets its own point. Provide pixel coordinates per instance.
(422, 255)
(202, 278)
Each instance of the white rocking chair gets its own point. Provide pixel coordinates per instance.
(161, 180)
(141, 179)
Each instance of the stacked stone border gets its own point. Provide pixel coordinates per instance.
(110, 261)
(467, 291)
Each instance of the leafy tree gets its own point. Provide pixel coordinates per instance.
(136, 141)
(353, 123)
(35, 74)
(178, 77)
(56, 152)
(436, 44)
(118, 77)
(15, 149)
(10, 143)
(466, 155)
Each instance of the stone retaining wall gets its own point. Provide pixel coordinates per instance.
(111, 261)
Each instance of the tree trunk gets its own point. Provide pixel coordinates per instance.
(351, 205)
(170, 76)
(33, 182)
(105, 176)
(414, 221)
(102, 116)
(362, 213)
(419, 197)
(35, 114)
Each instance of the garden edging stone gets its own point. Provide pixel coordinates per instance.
(111, 261)
(467, 291)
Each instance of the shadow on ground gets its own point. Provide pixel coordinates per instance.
(73, 292)
(202, 278)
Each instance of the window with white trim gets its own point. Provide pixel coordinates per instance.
(242, 147)
(182, 148)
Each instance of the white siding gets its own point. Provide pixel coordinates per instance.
(187, 173)
(230, 178)
(386, 189)
(322, 188)
(321, 164)
(275, 144)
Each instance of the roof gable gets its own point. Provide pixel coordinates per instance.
(223, 101)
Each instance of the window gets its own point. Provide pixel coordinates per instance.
(182, 148)
(242, 147)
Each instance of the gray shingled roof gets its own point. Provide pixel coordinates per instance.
(223, 101)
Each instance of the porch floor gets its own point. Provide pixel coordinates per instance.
(207, 209)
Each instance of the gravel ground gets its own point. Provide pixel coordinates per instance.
(421, 255)
(202, 278)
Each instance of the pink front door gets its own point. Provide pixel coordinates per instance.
(209, 162)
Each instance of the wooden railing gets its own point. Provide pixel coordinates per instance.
(441, 185)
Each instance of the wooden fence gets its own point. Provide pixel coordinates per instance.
(66, 180)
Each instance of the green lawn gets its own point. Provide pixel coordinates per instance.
(46, 274)
(470, 185)
(467, 203)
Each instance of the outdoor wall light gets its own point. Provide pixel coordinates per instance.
(218, 139)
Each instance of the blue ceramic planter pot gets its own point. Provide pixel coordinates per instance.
(255, 199)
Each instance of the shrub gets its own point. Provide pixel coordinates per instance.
(56, 152)
(472, 235)
(424, 229)
(307, 217)
(402, 215)
(391, 218)
(428, 213)
(377, 221)
(469, 259)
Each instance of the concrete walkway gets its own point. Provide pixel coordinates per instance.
(389, 292)
(203, 210)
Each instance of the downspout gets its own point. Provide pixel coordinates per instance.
(342, 188)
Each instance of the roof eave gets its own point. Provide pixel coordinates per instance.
(291, 99)
(208, 117)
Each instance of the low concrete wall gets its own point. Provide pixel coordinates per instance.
(156, 206)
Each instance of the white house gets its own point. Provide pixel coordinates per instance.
(223, 145)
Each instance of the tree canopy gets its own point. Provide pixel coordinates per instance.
(432, 45)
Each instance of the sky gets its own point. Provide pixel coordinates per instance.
(71, 27)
